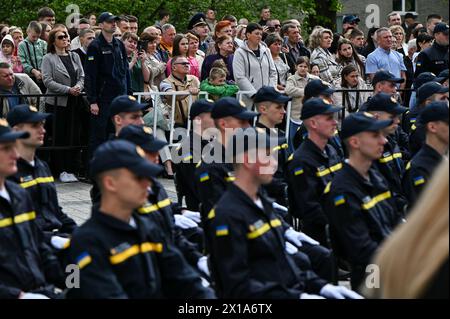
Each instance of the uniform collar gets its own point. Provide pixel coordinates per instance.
(242, 196)
(110, 221)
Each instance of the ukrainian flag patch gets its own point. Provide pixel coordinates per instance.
(339, 200)
(83, 260)
(222, 230)
(204, 177)
(419, 180)
(298, 171)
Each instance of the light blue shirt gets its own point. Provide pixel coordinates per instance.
(391, 61)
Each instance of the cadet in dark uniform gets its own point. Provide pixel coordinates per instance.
(359, 203)
(190, 152)
(28, 268)
(312, 167)
(427, 93)
(170, 217)
(35, 177)
(434, 119)
(435, 58)
(271, 107)
(391, 165)
(107, 76)
(247, 238)
(119, 253)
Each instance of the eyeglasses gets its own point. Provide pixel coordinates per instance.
(183, 63)
(60, 37)
(277, 26)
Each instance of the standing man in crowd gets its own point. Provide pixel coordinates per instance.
(107, 76)
(166, 45)
(264, 15)
(47, 15)
(394, 18)
(432, 20)
(349, 22)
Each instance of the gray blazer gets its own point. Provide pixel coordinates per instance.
(57, 79)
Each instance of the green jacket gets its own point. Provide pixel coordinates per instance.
(220, 91)
(31, 54)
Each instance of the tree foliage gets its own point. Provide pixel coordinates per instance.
(20, 12)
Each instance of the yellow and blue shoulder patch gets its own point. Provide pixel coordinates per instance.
(222, 230)
(298, 171)
(83, 260)
(339, 200)
(204, 177)
(419, 180)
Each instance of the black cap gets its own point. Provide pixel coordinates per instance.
(426, 77)
(384, 75)
(126, 103)
(25, 113)
(107, 16)
(316, 88)
(143, 137)
(441, 27)
(350, 19)
(246, 139)
(197, 20)
(122, 154)
(410, 15)
(385, 103)
(229, 106)
(317, 106)
(433, 112)
(8, 135)
(428, 89)
(269, 94)
(443, 75)
(201, 106)
(361, 122)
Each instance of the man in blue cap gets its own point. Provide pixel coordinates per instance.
(120, 254)
(312, 167)
(384, 81)
(271, 106)
(28, 268)
(247, 237)
(434, 119)
(349, 22)
(107, 76)
(35, 177)
(391, 163)
(420, 80)
(126, 110)
(358, 201)
(435, 58)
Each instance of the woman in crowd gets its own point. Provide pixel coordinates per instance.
(156, 67)
(399, 35)
(314, 69)
(225, 49)
(351, 79)
(421, 249)
(46, 28)
(140, 74)
(253, 65)
(63, 74)
(221, 29)
(320, 41)
(274, 42)
(348, 55)
(194, 57)
(180, 48)
(4, 30)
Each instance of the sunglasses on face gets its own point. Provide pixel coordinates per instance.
(277, 26)
(183, 63)
(64, 36)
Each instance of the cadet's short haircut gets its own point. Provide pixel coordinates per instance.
(35, 27)
(45, 12)
(132, 18)
(217, 73)
(434, 16)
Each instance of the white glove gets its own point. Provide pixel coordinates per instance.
(184, 222)
(305, 238)
(293, 237)
(310, 296)
(59, 242)
(30, 295)
(202, 264)
(195, 216)
(290, 249)
(338, 292)
(280, 207)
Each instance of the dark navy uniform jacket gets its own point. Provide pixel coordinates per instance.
(26, 262)
(419, 171)
(117, 260)
(107, 74)
(433, 59)
(362, 213)
(248, 255)
(38, 181)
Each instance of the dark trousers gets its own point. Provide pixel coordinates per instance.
(320, 258)
(100, 126)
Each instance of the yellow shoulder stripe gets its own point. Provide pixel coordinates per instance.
(377, 199)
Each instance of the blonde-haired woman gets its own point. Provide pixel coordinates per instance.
(320, 41)
(399, 35)
(413, 262)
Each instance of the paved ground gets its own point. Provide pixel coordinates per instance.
(75, 200)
